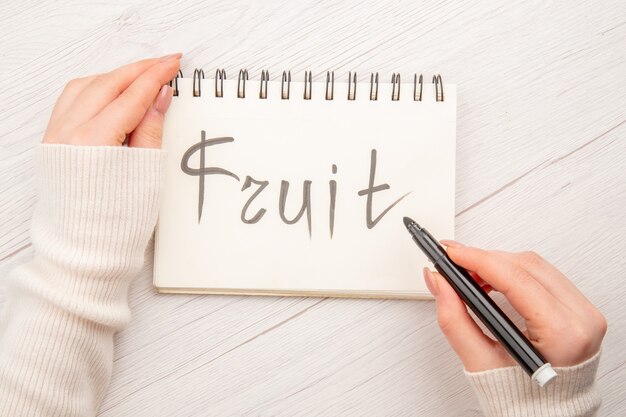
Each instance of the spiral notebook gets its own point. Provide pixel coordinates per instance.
(299, 187)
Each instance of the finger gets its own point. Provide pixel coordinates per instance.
(475, 349)
(550, 277)
(524, 293)
(107, 87)
(477, 278)
(545, 273)
(452, 243)
(485, 286)
(126, 112)
(150, 130)
(71, 90)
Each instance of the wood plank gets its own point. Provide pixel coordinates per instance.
(539, 166)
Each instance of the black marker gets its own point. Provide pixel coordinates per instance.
(483, 306)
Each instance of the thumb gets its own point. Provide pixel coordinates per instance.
(477, 351)
(149, 131)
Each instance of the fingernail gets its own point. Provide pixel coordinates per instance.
(451, 243)
(171, 56)
(164, 98)
(431, 282)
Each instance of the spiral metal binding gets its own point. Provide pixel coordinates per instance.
(197, 73)
(284, 94)
(265, 77)
(220, 76)
(416, 96)
(438, 87)
(174, 82)
(351, 86)
(285, 87)
(330, 85)
(241, 83)
(395, 87)
(374, 87)
(308, 85)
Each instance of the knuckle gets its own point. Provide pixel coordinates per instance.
(72, 83)
(152, 133)
(152, 142)
(583, 338)
(106, 82)
(99, 83)
(100, 80)
(479, 253)
(519, 274)
(131, 95)
(80, 82)
(530, 258)
(152, 81)
(483, 256)
(601, 323)
(138, 93)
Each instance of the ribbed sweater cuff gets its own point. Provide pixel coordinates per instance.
(509, 392)
(96, 212)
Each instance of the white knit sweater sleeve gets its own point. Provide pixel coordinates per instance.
(96, 212)
(509, 392)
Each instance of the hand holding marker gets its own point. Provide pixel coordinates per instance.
(561, 322)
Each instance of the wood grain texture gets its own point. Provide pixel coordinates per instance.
(540, 165)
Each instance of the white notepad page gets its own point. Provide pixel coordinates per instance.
(253, 147)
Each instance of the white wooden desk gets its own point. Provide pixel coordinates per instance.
(541, 164)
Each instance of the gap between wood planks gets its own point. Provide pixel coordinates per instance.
(16, 251)
(541, 165)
